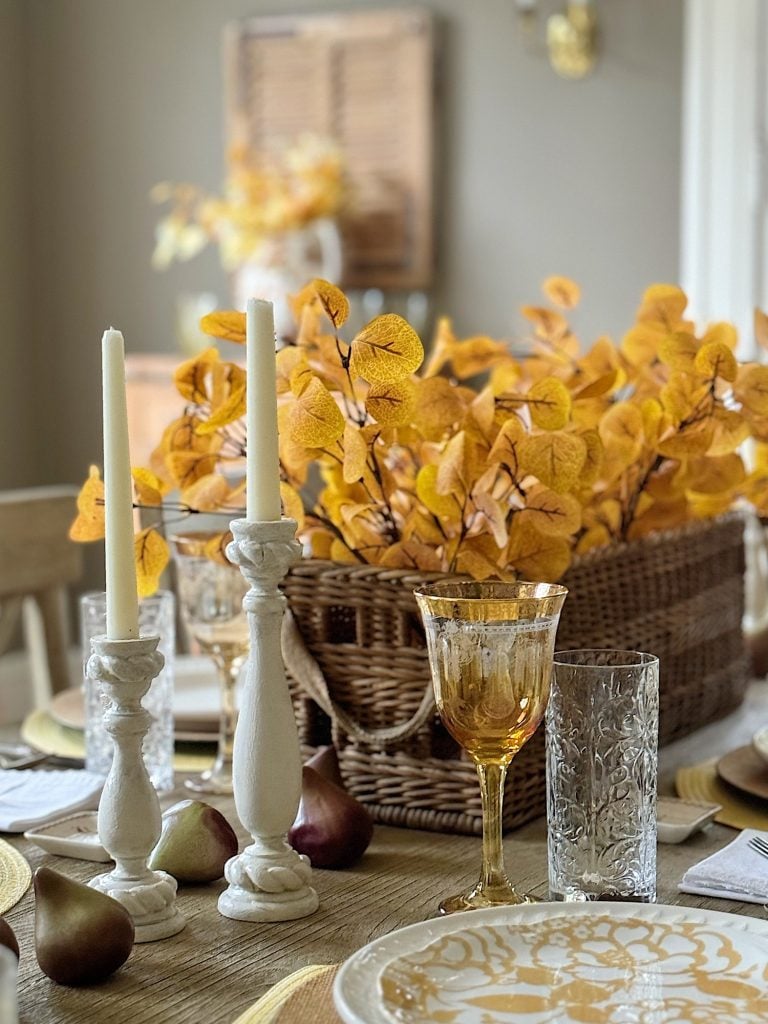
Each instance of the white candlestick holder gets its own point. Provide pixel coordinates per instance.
(269, 880)
(129, 811)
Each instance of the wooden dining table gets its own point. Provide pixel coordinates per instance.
(216, 968)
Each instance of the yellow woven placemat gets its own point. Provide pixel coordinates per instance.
(701, 782)
(42, 731)
(303, 996)
(15, 876)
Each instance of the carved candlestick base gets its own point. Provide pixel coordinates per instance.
(129, 811)
(268, 881)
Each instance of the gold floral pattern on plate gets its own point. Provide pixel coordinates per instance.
(594, 969)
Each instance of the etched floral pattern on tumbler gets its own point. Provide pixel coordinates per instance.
(490, 650)
(602, 736)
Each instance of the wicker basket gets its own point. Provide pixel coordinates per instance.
(354, 648)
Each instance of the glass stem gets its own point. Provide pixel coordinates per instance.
(229, 670)
(492, 778)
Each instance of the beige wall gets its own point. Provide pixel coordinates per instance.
(17, 399)
(538, 176)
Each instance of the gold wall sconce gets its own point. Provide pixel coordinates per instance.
(571, 35)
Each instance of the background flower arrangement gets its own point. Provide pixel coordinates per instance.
(265, 196)
(475, 462)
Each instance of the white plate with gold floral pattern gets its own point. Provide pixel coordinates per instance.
(556, 963)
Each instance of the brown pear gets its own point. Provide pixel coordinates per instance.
(332, 828)
(8, 937)
(81, 935)
(326, 763)
(195, 844)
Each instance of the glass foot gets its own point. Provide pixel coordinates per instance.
(210, 782)
(480, 898)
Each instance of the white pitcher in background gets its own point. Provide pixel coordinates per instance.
(286, 264)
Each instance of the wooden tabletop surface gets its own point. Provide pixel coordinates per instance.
(216, 968)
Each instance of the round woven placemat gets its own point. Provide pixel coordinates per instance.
(15, 876)
(701, 782)
(46, 734)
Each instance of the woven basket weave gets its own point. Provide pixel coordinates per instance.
(354, 648)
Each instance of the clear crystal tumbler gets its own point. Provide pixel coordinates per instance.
(602, 734)
(157, 616)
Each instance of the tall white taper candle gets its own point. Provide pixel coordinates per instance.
(263, 462)
(122, 601)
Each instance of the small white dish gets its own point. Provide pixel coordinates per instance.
(760, 742)
(74, 836)
(676, 820)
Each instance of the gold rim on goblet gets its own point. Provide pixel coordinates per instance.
(490, 647)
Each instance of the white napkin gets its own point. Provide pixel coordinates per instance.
(737, 872)
(30, 798)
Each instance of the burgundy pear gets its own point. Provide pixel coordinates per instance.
(81, 935)
(332, 828)
(195, 844)
(326, 763)
(8, 937)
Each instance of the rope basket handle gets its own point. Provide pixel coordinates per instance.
(308, 674)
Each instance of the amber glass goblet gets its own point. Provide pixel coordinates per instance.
(490, 651)
(211, 596)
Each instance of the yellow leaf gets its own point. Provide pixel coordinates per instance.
(653, 418)
(505, 447)
(89, 524)
(596, 537)
(287, 360)
(443, 505)
(301, 377)
(422, 527)
(730, 430)
(181, 436)
(504, 377)
(480, 558)
(391, 404)
(751, 388)
(549, 324)
(187, 467)
(355, 453)
(387, 349)
(552, 513)
(724, 333)
(664, 303)
(562, 291)
(593, 459)
(537, 556)
(207, 493)
(331, 299)
(714, 475)
(150, 553)
(494, 515)
(678, 351)
(641, 343)
(215, 548)
(148, 486)
(229, 325)
(191, 377)
(691, 440)
(410, 554)
(556, 459)
(232, 409)
(341, 553)
(681, 395)
(602, 385)
(622, 428)
(315, 420)
(761, 328)
(452, 467)
(476, 355)
(293, 506)
(715, 359)
(549, 402)
(483, 410)
(438, 407)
